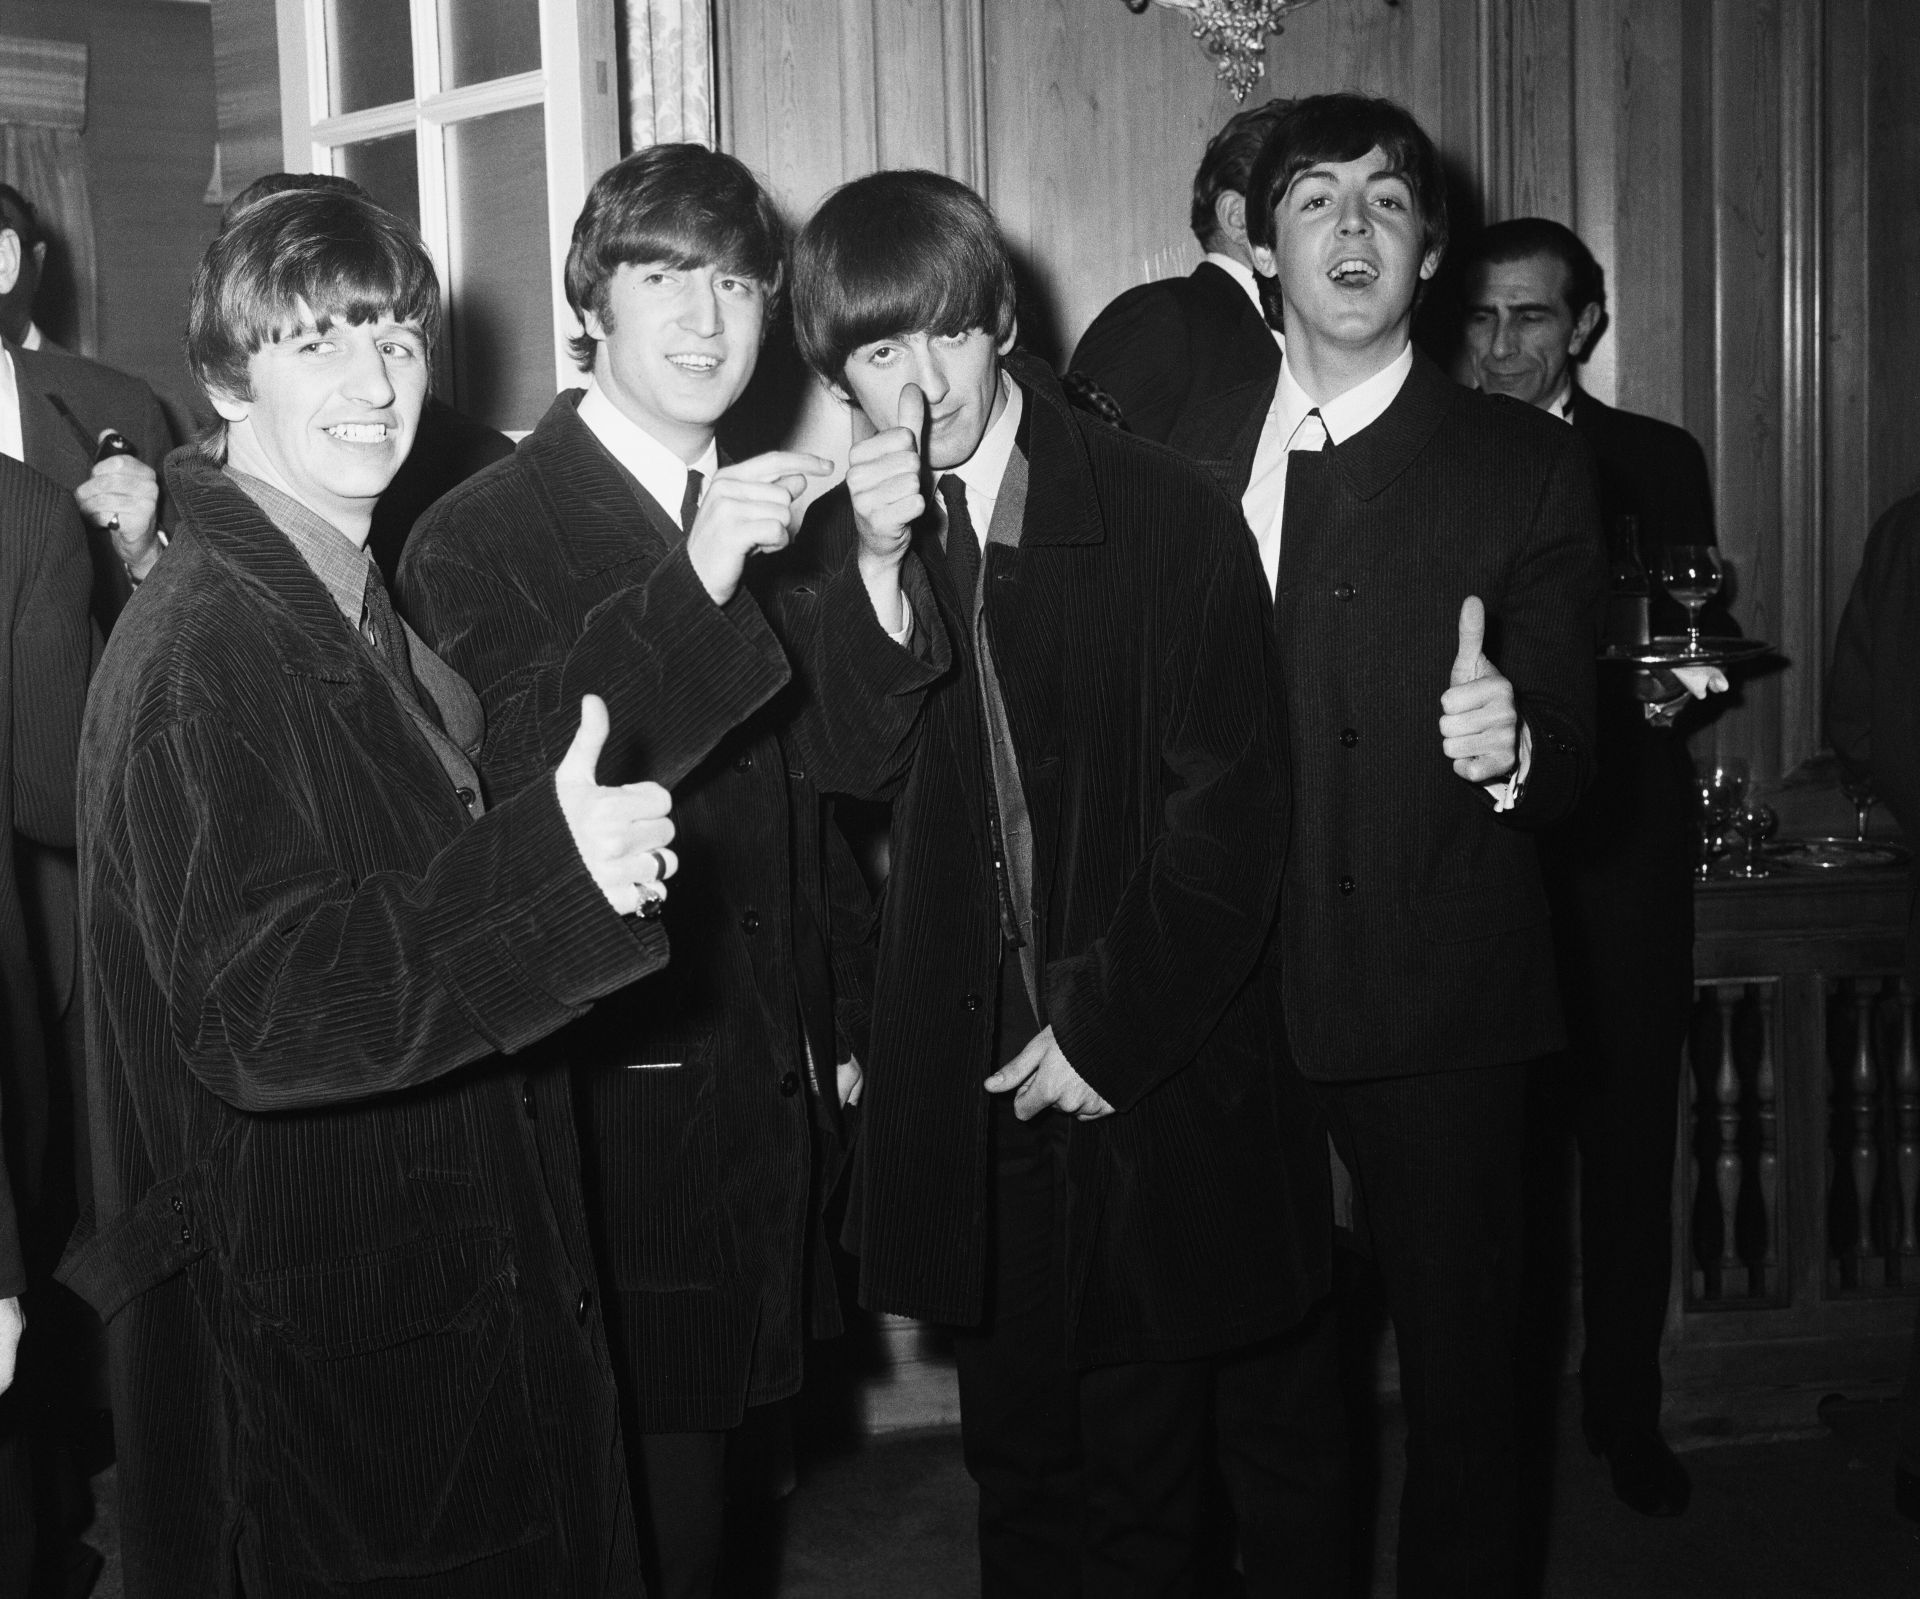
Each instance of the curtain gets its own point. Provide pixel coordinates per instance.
(43, 108)
(669, 61)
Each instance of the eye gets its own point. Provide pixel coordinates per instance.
(880, 354)
(953, 341)
(399, 350)
(656, 278)
(741, 288)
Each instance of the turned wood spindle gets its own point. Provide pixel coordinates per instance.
(1727, 1164)
(1906, 1101)
(1863, 1093)
(1766, 1095)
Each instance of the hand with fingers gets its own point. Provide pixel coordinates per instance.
(122, 495)
(886, 480)
(1479, 722)
(748, 508)
(622, 833)
(1041, 1078)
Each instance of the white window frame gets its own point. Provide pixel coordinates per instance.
(576, 85)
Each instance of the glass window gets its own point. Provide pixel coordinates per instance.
(502, 299)
(485, 39)
(369, 54)
(388, 169)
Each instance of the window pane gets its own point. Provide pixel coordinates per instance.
(502, 290)
(483, 39)
(388, 169)
(369, 54)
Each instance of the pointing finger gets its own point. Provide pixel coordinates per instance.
(777, 464)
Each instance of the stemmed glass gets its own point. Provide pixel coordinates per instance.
(1720, 791)
(1691, 573)
(1858, 787)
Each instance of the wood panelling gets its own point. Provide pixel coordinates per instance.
(246, 76)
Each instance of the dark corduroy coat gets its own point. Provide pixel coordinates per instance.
(45, 648)
(1162, 347)
(552, 574)
(1132, 655)
(341, 1248)
(1414, 924)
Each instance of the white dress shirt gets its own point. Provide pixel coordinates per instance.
(986, 468)
(661, 473)
(11, 442)
(1292, 424)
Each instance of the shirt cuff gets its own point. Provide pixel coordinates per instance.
(1506, 791)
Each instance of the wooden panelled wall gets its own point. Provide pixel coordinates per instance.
(1748, 172)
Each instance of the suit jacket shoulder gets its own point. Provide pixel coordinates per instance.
(1649, 469)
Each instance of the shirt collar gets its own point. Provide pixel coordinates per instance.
(661, 473)
(1346, 414)
(34, 339)
(335, 559)
(1561, 405)
(1241, 274)
(983, 471)
(10, 439)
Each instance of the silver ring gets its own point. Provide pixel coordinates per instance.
(113, 522)
(659, 866)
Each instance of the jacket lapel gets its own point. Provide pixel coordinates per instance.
(46, 438)
(602, 515)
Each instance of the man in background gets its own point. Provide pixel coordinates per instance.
(1620, 869)
(1873, 723)
(1161, 346)
(45, 650)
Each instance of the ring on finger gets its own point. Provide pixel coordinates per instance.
(112, 523)
(659, 860)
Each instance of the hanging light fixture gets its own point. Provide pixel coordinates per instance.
(1233, 32)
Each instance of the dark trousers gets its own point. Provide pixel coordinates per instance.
(681, 1505)
(1089, 1480)
(1435, 1161)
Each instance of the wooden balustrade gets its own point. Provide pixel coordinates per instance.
(1797, 1214)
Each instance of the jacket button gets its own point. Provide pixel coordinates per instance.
(789, 1084)
(750, 922)
(526, 1100)
(743, 763)
(1346, 885)
(582, 1306)
(1345, 591)
(1349, 737)
(186, 1235)
(972, 1002)
(465, 796)
(178, 1204)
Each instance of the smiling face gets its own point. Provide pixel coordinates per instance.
(330, 415)
(678, 346)
(1520, 333)
(959, 373)
(1347, 251)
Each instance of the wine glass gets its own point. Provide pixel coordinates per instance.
(1858, 787)
(1691, 573)
(1720, 790)
(1755, 823)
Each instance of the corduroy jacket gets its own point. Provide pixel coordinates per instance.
(339, 1241)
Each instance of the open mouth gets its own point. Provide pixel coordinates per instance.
(360, 432)
(698, 365)
(1353, 272)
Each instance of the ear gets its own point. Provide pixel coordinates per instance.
(1430, 265)
(1230, 215)
(229, 407)
(1583, 328)
(596, 329)
(9, 260)
(1264, 262)
(1013, 336)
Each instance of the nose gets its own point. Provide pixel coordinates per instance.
(1353, 215)
(700, 306)
(930, 372)
(1506, 342)
(369, 382)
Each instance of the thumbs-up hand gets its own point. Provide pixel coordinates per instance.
(1479, 723)
(621, 833)
(886, 482)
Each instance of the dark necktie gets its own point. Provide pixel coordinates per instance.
(383, 631)
(690, 501)
(963, 545)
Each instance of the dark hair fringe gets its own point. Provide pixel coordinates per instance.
(678, 205)
(337, 255)
(896, 253)
(1344, 127)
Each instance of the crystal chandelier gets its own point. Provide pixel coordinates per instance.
(1233, 32)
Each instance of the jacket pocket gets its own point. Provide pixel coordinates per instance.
(386, 1428)
(653, 1150)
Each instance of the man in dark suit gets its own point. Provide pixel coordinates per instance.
(1620, 869)
(1162, 346)
(352, 1314)
(1077, 1145)
(1873, 723)
(1413, 534)
(610, 549)
(45, 650)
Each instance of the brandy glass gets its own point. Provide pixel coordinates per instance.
(1692, 574)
